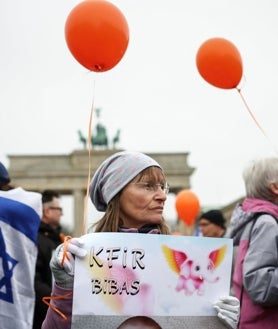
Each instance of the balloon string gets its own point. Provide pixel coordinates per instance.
(47, 299)
(255, 120)
(89, 163)
(65, 249)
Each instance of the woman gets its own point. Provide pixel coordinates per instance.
(255, 233)
(131, 189)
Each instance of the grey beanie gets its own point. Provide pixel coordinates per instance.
(115, 173)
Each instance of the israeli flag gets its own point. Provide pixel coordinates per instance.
(20, 214)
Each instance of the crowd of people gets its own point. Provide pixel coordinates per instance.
(130, 188)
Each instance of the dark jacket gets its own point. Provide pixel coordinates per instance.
(48, 240)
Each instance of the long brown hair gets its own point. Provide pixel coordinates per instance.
(111, 220)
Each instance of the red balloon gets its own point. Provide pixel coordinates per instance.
(97, 34)
(219, 63)
(187, 206)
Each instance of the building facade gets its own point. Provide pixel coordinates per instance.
(70, 174)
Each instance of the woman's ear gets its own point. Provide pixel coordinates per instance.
(274, 188)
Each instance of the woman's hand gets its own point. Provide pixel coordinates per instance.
(228, 311)
(62, 261)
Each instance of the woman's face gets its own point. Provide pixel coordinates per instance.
(142, 200)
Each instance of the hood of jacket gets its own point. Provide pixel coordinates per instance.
(245, 211)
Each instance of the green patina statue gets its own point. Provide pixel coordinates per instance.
(100, 139)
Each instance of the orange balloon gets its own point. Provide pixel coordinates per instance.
(97, 34)
(219, 63)
(187, 206)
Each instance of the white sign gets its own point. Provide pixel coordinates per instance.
(150, 275)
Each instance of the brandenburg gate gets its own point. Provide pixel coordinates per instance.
(68, 174)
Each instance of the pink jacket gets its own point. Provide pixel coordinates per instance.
(255, 276)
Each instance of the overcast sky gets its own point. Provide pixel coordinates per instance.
(155, 95)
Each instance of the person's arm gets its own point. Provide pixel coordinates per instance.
(54, 319)
(59, 313)
(43, 274)
(260, 270)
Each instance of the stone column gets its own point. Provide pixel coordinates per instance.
(78, 205)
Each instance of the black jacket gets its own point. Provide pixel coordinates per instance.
(48, 240)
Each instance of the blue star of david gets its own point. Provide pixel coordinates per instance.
(8, 264)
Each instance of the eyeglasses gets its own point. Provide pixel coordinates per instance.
(153, 188)
(56, 208)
